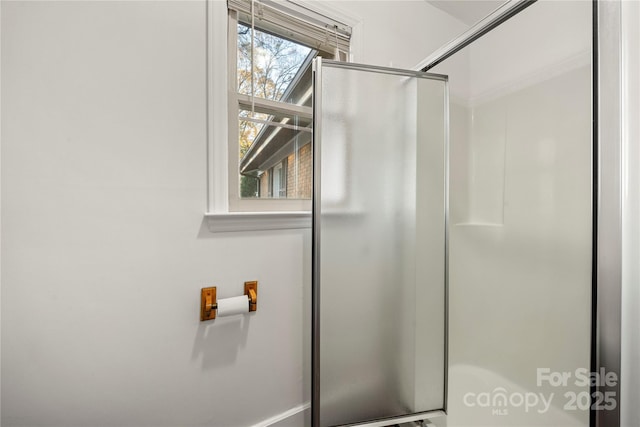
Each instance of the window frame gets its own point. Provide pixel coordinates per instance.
(225, 211)
(236, 202)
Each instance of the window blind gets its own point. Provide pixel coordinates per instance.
(294, 22)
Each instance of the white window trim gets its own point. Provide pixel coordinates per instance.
(256, 221)
(255, 214)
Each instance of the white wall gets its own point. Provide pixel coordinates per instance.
(103, 245)
(630, 375)
(520, 261)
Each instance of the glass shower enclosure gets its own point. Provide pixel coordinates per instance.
(379, 249)
(470, 304)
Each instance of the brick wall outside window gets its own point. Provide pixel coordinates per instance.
(300, 189)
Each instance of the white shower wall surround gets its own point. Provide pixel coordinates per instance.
(526, 280)
(630, 386)
(520, 245)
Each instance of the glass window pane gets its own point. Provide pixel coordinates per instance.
(269, 141)
(273, 134)
(278, 65)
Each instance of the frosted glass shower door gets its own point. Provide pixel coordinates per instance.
(379, 288)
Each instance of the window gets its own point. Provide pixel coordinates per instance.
(278, 180)
(271, 48)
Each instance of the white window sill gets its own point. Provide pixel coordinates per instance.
(257, 221)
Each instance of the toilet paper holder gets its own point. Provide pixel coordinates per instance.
(209, 301)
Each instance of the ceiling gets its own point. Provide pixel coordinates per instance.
(467, 11)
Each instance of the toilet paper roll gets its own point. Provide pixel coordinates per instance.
(234, 305)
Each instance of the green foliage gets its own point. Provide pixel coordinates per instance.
(249, 186)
